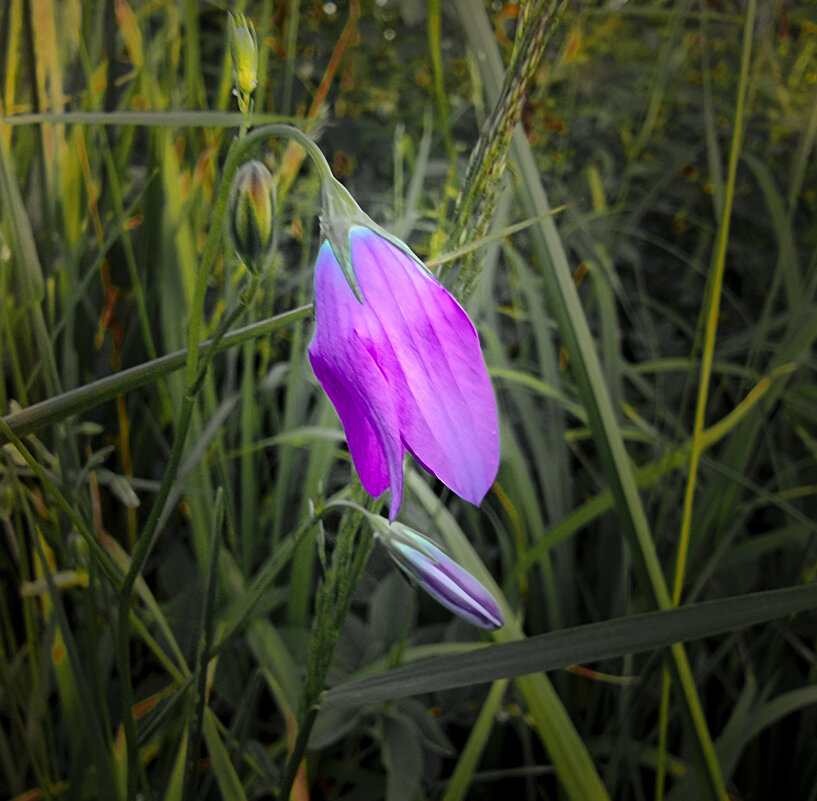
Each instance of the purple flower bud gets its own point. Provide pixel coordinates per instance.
(252, 214)
(440, 576)
(400, 360)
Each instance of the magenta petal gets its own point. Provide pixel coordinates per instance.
(428, 349)
(355, 385)
(404, 369)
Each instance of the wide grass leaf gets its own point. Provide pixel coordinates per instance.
(577, 645)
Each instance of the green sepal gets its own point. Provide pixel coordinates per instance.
(339, 215)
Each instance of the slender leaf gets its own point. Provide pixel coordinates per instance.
(577, 645)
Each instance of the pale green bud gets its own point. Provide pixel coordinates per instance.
(252, 215)
(244, 52)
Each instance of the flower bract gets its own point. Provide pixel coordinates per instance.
(402, 364)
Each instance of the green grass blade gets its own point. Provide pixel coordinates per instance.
(226, 777)
(30, 273)
(577, 645)
(152, 119)
(199, 699)
(566, 307)
(58, 407)
(76, 679)
(570, 757)
(745, 726)
(469, 756)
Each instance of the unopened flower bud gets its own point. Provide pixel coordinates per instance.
(440, 576)
(252, 215)
(244, 52)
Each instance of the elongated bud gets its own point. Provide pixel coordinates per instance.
(244, 52)
(440, 576)
(252, 215)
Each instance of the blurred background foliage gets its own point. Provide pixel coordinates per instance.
(630, 117)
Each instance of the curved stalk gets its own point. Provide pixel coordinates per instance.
(239, 149)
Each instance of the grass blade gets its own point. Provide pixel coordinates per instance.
(578, 645)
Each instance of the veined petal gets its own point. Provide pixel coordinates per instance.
(357, 388)
(429, 354)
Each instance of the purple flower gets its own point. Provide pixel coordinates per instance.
(401, 362)
(440, 576)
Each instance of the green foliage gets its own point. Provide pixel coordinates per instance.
(188, 605)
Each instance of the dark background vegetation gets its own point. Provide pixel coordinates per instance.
(631, 117)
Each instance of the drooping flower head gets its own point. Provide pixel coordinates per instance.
(399, 359)
(439, 575)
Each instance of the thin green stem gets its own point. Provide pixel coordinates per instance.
(298, 750)
(76, 521)
(75, 401)
(435, 49)
(221, 329)
(332, 603)
(239, 150)
(153, 119)
(707, 358)
(663, 718)
(200, 680)
(712, 312)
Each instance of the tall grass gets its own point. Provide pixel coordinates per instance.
(191, 607)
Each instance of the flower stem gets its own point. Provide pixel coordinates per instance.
(221, 329)
(205, 643)
(239, 149)
(331, 606)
